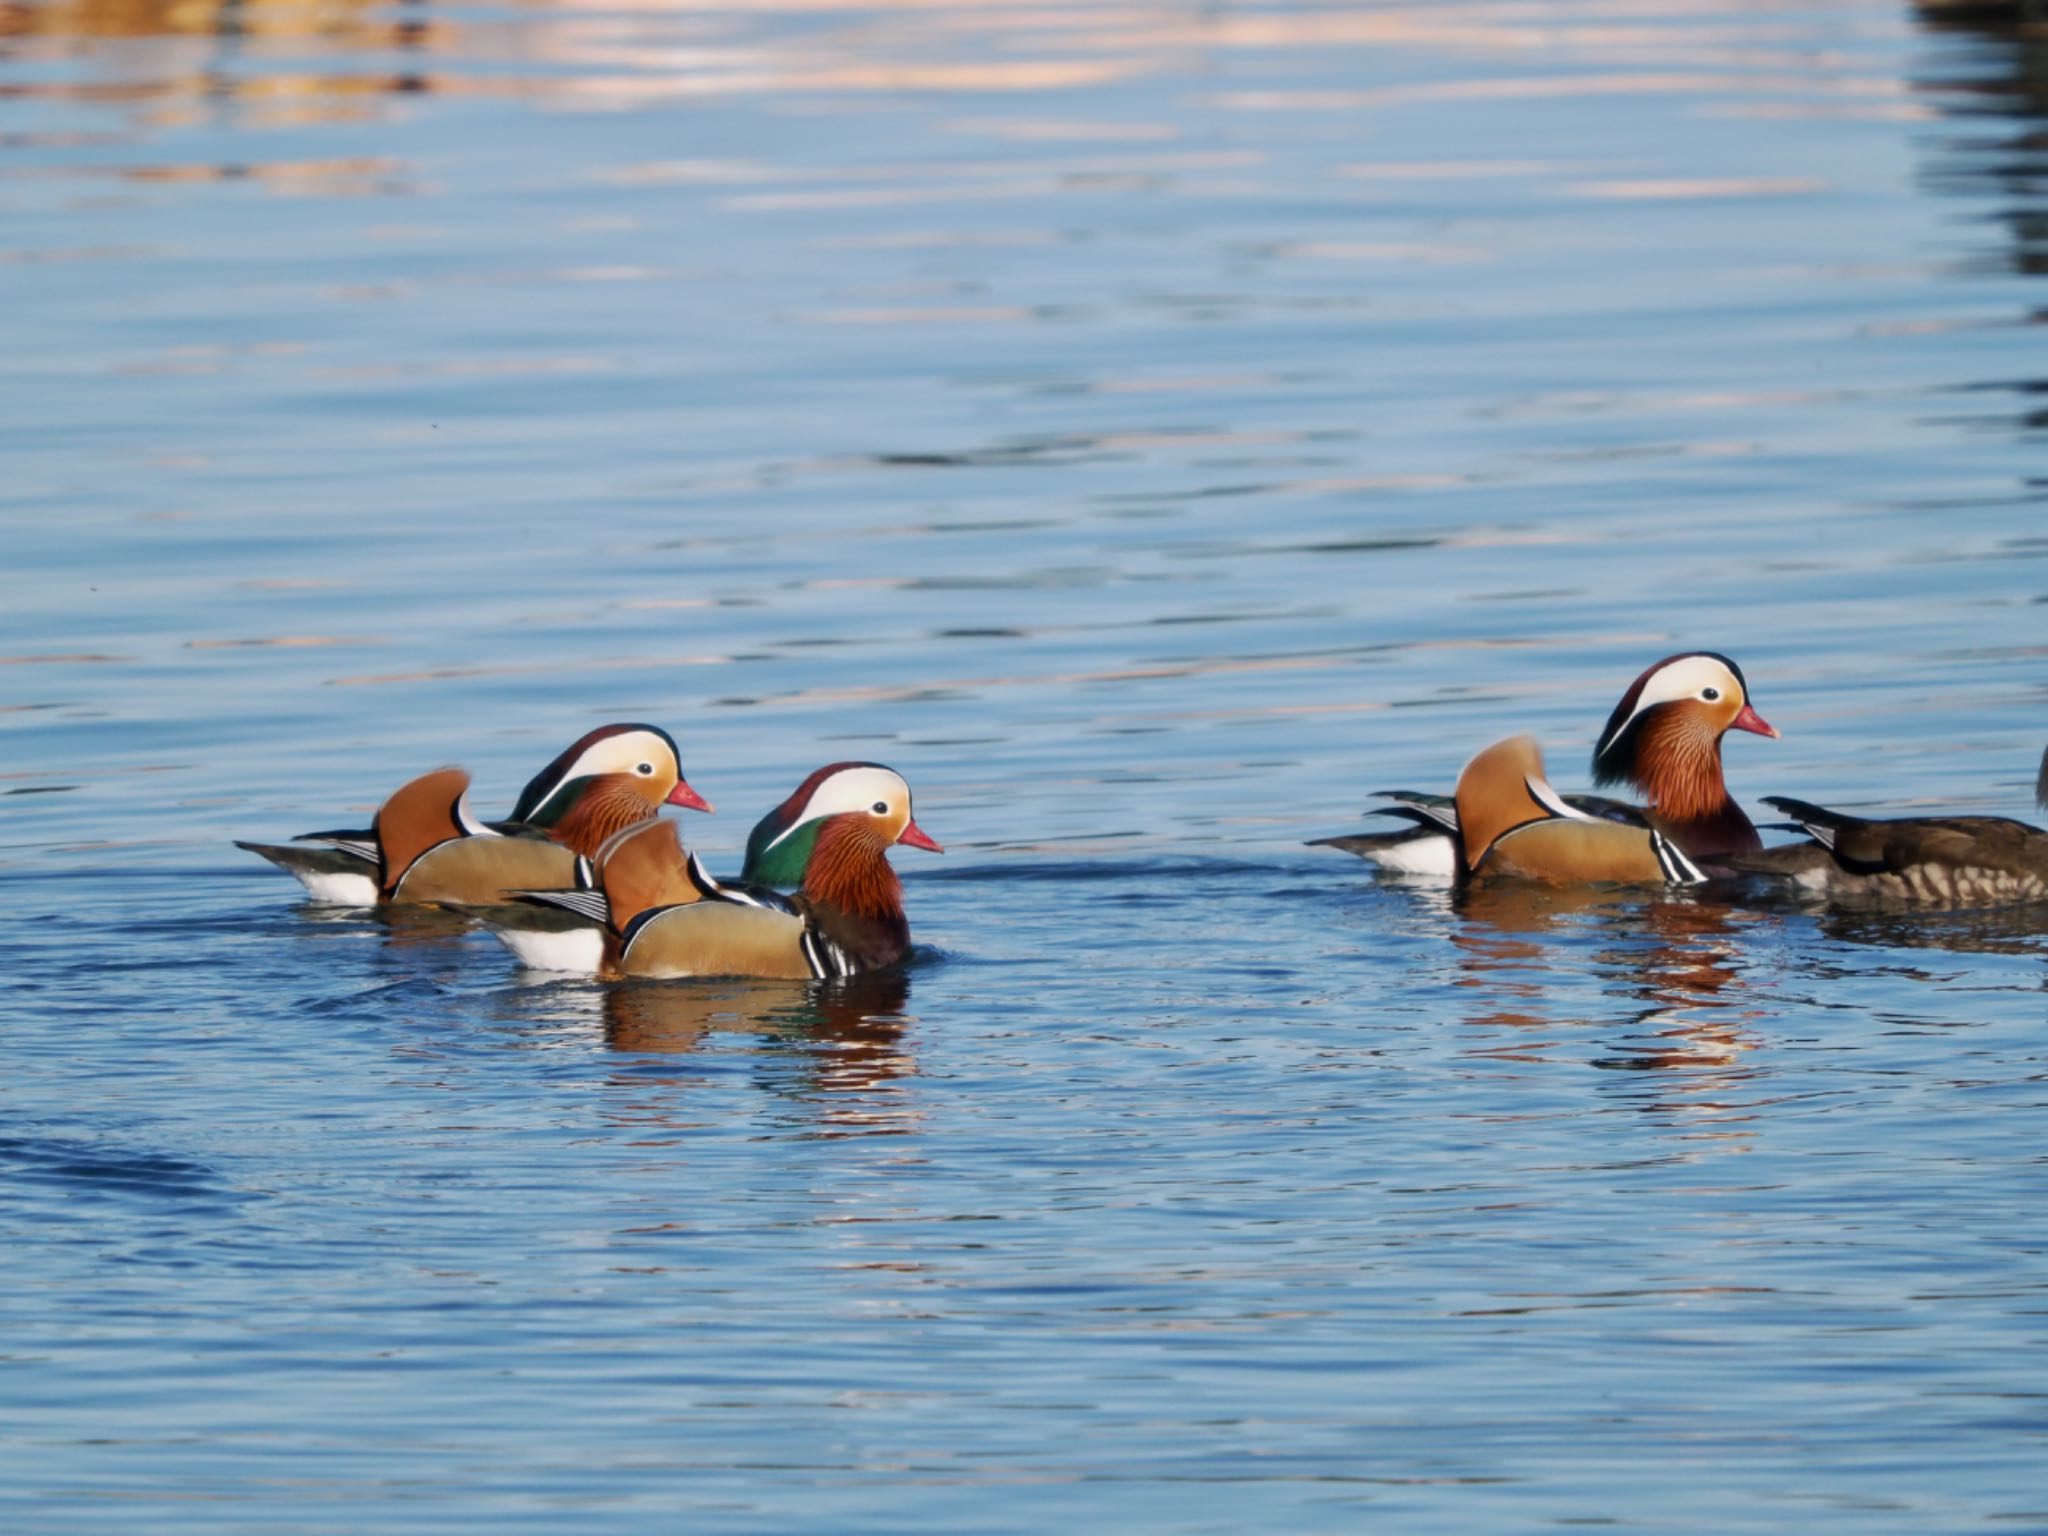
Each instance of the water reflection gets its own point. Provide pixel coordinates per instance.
(837, 1048)
(2003, 931)
(1679, 963)
(179, 78)
(342, 23)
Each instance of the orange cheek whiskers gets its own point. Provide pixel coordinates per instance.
(850, 869)
(1679, 767)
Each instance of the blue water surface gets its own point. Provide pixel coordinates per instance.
(1152, 428)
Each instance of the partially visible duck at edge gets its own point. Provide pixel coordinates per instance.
(1663, 739)
(427, 845)
(1952, 862)
(651, 909)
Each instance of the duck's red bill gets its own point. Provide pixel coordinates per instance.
(687, 798)
(916, 836)
(1750, 720)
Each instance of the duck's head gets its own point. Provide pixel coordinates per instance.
(1677, 706)
(858, 797)
(643, 755)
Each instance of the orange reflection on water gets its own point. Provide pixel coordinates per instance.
(1678, 963)
(356, 23)
(619, 54)
(838, 1048)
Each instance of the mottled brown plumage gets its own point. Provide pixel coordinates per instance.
(1908, 861)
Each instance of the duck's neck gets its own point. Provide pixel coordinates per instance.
(1678, 767)
(609, 803)
(853, 893)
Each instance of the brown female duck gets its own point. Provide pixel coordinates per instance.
(1909, 861)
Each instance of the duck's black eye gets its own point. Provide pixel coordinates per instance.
(1710, 694)
(881, 807)
(647, 768)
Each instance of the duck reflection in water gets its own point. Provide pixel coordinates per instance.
(1680, 962)
(1998, 931)
(837, 1045)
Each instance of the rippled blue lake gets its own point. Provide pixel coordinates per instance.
(1152, 428)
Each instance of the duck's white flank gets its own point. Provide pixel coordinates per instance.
(1426, 853)
(578, 950)
(336, 890)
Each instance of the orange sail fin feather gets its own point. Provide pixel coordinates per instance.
(419, 815)
(643, 868)
(1493, 795)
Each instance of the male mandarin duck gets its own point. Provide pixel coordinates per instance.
(1512, 824)
(1664, 738)
(426, 845)
(1917, 861)
(652, 910)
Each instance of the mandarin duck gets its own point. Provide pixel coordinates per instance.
(648, 908)
(426, 845)
(1908, 861)
(1664, 738)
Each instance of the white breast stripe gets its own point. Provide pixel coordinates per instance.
(1678, 869)
(706, 883)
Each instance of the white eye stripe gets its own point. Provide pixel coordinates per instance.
(634, 752)
(1685, 678)
(850, 789)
